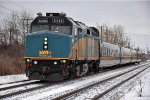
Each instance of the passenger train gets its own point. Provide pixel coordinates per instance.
(59, 47)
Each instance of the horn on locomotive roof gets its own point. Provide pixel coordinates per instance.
(62, 14)
(39, 14)
(56, 14)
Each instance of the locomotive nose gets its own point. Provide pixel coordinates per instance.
(48, 45)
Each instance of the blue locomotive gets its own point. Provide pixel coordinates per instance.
(59, 47)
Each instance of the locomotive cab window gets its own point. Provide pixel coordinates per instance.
(60, 25)
(36, 28)
(61, 29)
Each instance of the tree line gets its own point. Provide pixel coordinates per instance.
(115, 35)
(13, 28)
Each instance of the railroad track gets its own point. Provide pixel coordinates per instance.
(14, 82)
(20, 88)
(117, 85)
(30, 83)
(5, 87)
(73, 94)
(39, 90)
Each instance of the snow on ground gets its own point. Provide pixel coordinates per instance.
(100, 88)
(141, 84)
(13, 84)
(81, 83)
(52, 93)
(12, 78)
(21, 88)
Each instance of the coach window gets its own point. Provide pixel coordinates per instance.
(104, 49)
(116, 53)
(106, 52)
(111, 52)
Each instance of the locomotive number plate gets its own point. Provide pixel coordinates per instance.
(45, 53)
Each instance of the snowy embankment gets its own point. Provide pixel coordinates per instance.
(12, 78)
(141, 87)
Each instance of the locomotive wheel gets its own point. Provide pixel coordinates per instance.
(96, 67)
(72, 71)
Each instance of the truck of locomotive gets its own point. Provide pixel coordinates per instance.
(59, 47)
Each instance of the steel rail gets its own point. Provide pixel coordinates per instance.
(18, 85)
(14, 82)
(117, 85)
(24, 91)
(64, 96)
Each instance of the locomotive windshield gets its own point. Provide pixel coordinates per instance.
(36, 28)
(53, 24)
(61, 29)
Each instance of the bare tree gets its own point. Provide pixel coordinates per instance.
(14, 26)
(115, 35)
(11, 40)
(119, 31)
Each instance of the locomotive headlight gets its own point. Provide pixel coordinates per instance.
(45, 42)
(28, 60)
(64, 61)
(35, 62)
(55, 63)
(45, 39)
(45, 46)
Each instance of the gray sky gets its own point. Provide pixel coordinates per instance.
(133, 15)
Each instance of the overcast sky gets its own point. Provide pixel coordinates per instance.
(133, 15)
